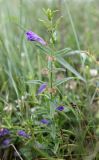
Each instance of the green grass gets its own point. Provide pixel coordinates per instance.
(72, 134)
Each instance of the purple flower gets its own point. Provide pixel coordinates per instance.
(4, 132)
(60, 108)
(6, 142)
(44, 121)
(31, 36)
(23, 134)
(42, 88)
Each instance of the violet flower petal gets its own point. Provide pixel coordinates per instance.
(44, 121)
(60, 108)
(4, 131)
(23, 134)
(6, 142)
(31, 36)
(42, 88)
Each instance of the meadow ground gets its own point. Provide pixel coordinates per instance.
(49, 80)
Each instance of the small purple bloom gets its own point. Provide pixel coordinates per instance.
(23, 134)
(31, 36)
(60, 108)
(6, 142)
(44, 121)
(4, 132)
(42, 88)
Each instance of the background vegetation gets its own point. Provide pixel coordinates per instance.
(74, 132)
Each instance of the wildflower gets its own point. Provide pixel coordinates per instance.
(33, 109)
(42, 88)
(23, 134)
(60, 108)
(31, 36)
(6, 142)
(93, 72)
(4, 132)
(44, 121)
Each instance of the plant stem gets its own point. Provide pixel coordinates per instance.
(51, 78)
(16, 151)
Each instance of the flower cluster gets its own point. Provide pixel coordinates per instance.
(4, 132)
(45, 121)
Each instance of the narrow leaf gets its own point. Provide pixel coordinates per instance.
(45, 50)
(35, 82)
(58, 82)
(63, 51)
(69, 67)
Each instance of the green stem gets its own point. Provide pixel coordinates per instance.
(42, 153)
(16, 151)
(51, 78)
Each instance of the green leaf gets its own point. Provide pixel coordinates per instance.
(56, 147)
(77, 52)
(58, 82)
(72, 53)
(63, 51)
(59, 70)
(45, 50)
(35, 82)
(69, 67)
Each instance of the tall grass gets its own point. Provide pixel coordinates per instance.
(73, 133)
